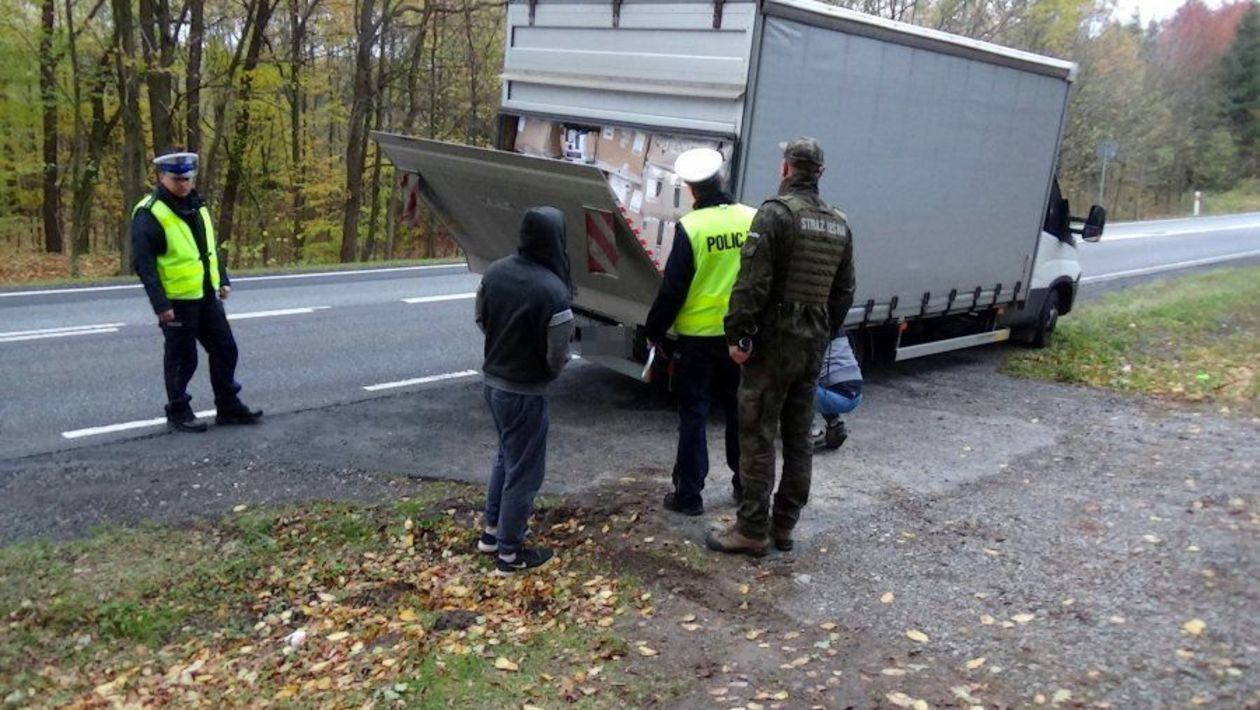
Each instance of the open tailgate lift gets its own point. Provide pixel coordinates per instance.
(481, 195)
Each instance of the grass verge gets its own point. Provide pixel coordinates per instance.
(394, 605)
(1193, 339)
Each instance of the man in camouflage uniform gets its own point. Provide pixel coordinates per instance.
(794, 288)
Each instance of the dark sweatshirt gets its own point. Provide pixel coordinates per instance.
(148, 242)
(523, 307)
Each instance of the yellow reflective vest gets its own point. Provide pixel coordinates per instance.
(716, 234)
(180, 268)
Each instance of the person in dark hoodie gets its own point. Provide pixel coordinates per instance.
(177, 260)
(523, 307)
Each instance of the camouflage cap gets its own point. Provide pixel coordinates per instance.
(803, 152)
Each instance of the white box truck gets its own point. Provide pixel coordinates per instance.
(941, 150)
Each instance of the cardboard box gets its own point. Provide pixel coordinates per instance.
(579, 145)
(657, 237)
(622, 152)
(665, 195)
(665, 149)
(629, 194)
(535, 136)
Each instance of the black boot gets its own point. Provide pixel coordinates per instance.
(836, 434)
(236, 413)
(181, 418)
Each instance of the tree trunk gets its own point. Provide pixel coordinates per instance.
(51, 207)
(133, 129)
(378, 120)
(157, 47)
(298, 18)
(241, 129)
(359, 110)
(196, 33)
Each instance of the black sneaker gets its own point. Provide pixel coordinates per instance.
(524, 560)
(671, 503)
(489, 542)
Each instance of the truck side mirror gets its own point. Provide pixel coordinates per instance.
(1092, 228)
(1094, 224)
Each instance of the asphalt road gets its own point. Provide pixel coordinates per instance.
(82, 366)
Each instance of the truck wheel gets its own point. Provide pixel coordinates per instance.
(1044, 333)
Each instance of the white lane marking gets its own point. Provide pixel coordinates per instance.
(61, 329)
(1170, 267)
(281, 312)
(41, 336)
(1183, 232)
(437, 299)
(125, 426)
(242, 279)
(423, 380)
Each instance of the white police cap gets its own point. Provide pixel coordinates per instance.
(182, 164)
(698, 165)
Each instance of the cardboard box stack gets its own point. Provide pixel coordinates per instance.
(665, 196)
(639, 167)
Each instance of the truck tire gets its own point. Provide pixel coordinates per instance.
(1043, 332)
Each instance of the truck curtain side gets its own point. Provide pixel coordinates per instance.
(941, 150)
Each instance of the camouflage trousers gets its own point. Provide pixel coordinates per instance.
(776, 394)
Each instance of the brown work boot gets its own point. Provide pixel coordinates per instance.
(782, 538)
(731, 540)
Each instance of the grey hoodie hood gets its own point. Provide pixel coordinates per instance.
(542, 241)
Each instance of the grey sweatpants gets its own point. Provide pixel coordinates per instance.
(519, 466)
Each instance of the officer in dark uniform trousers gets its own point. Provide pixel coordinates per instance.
(175, 256)
(794, 288)
(692, 302)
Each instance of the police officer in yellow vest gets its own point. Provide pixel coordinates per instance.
(699, 273)
(177, 260)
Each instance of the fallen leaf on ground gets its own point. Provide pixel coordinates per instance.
(1061, 696)
(1023, 618)
(239, 508)
(337, 636)
(407, 615)
(975, 663)
(827, 626)
(916, 635)
(1194, 627)
(887, 598)
(899, 699)
(987, 620)
(692, 627)
(504, 664)
(894, 671)
(646, 651)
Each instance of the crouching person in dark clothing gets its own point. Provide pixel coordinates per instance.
(523, 309)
